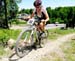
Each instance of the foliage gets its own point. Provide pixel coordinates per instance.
(27, 11)
(3, 36)
(8, 10)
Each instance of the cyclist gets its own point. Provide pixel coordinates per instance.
(41, 13)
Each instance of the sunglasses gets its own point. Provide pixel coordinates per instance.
(37, 6)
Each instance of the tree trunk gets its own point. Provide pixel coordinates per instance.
(6, 21)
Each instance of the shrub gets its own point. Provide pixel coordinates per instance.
(6, 34)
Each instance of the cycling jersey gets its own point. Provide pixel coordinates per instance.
(43, 12)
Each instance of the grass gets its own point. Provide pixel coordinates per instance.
(55, 33)
(69, 50)
(9, 33)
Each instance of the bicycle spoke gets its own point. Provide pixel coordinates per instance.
(22, 43)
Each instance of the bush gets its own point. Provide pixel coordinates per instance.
(3, 38)
(6, 34)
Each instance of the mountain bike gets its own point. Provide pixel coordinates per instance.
(29, 38)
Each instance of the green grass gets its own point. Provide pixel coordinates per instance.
(55, 33)
(69, 50)
(9, 33)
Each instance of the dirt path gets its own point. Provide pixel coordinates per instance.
(36, 55)
(50, 49)
(15, 27)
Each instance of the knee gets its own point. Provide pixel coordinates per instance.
(41, 24)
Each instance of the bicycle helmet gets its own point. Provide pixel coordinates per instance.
(37, 3)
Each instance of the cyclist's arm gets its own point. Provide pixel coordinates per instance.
(46, 15)
(29, 17)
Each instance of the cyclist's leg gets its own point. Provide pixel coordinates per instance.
(42, 26)
(42, 34)
(37, 28)
(38, 40)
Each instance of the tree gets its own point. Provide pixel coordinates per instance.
(49, 11)
(13, 8)
(6, 21)
(7, 8)
(27, 11)
(31, 10)
(3, 14)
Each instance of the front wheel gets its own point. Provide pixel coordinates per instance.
(22, 46)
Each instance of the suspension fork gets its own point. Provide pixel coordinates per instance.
(31, 36)
(31, 32)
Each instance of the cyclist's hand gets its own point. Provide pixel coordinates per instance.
(43, 21)
(27, 18)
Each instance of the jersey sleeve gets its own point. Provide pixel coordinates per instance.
(44, 11)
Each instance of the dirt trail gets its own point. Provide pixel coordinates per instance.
(36, 55)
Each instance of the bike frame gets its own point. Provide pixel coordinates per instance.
(32, 28)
